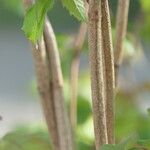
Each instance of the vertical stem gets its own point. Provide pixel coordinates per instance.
(62, 120)
(109, 69)
(50, 86)
(79, 41)
(121, 28)
(44, 86)
(97, 72)
(45, 90)
(74, 73)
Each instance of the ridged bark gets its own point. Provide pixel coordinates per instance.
(121, 28)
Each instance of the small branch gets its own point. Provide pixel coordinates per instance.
(78, 44)
(109, 69)
(74, 73)
(50, 86)
(62, 120)
(44, 86)
(121, 28)
(45, 91)
(97, 72)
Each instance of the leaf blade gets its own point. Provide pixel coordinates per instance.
(76, 8)
(34, 19)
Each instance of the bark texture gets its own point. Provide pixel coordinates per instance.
(121, 28)
(109, 69)
(102, 71)
(97, 72)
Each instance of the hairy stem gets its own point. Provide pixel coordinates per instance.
(121, 28)
(109, 69)
(97, 72)
(102, 71)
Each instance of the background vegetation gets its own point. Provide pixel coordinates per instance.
(132, 109)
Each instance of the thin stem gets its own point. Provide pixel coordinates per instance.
(74, 73)
(109, 69)
(121, 28)
(62, 120)
(45, 91)
(78, 44)
(44, 86)
(50, 86)
(97, 72)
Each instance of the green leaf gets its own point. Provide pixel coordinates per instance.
(76, 8)
(124, 145)
(34, 19)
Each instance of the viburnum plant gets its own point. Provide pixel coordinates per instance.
(38, 30)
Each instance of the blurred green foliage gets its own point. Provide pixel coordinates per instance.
(129, 118)
(139, 15)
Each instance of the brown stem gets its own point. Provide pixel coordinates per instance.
(50, 86)
(78, 44)
(62, 120)
(97, 72)
(74, 73)
(44, 87)
(109, 69)
(121, 28)
(45, 90)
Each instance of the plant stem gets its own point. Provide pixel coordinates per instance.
(50, 86)
(109, 69)
(97, 72)
(62, 120)
(102, 71)
(44, 86)
(78, 44)
(74, 73)
(121, 28)
(45, 90)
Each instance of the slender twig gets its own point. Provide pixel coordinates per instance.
(97, 72)
(62, 120)
(74, 73)
(50, 86)
(78, 44)
(109, 69)
(46, 91)
(44, 86)
(121, 28)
